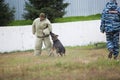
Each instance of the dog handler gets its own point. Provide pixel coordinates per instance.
(110, 24)
(42, 27)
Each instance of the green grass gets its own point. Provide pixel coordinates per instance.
(99, 45)
(78, 18)
(20, 23)
(59, 20)
(80, 63)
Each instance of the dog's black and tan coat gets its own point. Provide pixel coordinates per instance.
(57, 45)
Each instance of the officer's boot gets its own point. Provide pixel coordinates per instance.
(115, 57)
(110, 54)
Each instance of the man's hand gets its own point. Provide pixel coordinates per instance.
(102, 31)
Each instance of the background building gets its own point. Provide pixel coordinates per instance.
(76, 7)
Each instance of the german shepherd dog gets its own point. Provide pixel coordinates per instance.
(57, 45)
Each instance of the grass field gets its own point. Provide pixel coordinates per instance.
(59, 20)
(80, 63)
(20, 23)
(78, 18)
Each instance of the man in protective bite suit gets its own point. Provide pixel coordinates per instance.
(42, 27)
(110, 24)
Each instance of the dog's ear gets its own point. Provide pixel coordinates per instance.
(52, 34)
(57, 35)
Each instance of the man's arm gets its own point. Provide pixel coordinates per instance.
(33, 28)
(102, 26)
(49, 26)
(119, 11)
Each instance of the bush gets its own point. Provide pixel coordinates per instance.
(53, 9)
(6, 14)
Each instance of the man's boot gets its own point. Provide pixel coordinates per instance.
(115, 57)
(110, 54)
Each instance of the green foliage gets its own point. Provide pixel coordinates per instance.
(6, 14)
(53, 9)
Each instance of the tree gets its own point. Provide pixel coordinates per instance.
(52, 8)
(6, 14)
